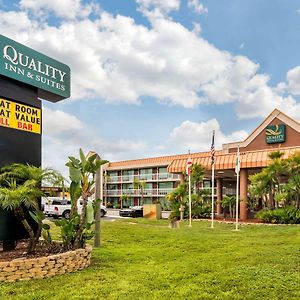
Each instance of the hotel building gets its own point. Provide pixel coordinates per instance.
(161, 175)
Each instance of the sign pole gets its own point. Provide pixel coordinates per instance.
(190, 202)
(237, 170)
(212, 194)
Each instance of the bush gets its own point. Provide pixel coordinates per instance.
(285, 215)
(201, 210)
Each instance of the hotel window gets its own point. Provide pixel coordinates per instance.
(145, 174)
(112, 186)
(162, 173)
(164, 187)
(206, 184)
(148, 189)
(127, 175)
(127, 188)
(112, 176)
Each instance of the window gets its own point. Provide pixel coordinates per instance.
(162, 173)
(145, 174)
(127, 175)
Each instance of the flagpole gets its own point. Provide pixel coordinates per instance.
(212, 152)
(190, 202)
(212, 194)
(237, 168)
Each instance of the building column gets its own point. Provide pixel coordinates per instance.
(243, 194)
(219, 195)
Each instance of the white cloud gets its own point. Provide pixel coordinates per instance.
(197, 136)
(197, 7)
(197, 28)
(57, 122)
(114, 59)
(68, 9)
(293, 79)
(64, 134)
(157, 8)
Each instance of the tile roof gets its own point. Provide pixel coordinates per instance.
(154, 161)
(249, 159)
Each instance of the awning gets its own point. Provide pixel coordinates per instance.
(249, 159)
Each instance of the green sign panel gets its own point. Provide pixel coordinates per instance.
(275, 134)
(24, 64)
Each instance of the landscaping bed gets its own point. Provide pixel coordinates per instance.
(20, 251)
(17, 265)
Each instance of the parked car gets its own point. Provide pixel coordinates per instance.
(133, 212)
(62, 208)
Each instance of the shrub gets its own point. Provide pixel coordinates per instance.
(285, 215)
(202, 210)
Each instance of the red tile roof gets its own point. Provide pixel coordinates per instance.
(249, 159)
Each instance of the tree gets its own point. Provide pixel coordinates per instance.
(82, 175)
(197, 174)
(124, 198)
(139, 184)
(229, 202)
(178, 200)
(26, 179)
(17, 197)
(267, 183)
(279, 182)
(292, 187)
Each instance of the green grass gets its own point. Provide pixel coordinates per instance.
(142, 259)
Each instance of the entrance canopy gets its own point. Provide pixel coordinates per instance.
(225, 161)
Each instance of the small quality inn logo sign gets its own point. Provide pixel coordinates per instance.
(275, 134)
(31, 67)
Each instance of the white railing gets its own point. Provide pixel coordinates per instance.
(138, 192)
(160, 192)
(143, 177)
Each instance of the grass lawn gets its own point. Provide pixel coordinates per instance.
(141, 259)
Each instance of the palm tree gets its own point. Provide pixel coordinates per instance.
(267, 183)
(139, 184)
(16, 197)
(292, 187)
(197, 173)
(36, 175)
(177, 199)
(229, 202)
(28, 176)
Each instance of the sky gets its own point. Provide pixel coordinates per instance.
(156, 77)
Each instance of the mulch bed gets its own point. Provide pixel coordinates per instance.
(20, 251)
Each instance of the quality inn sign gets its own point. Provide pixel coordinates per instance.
(24, 64)
(275, 134)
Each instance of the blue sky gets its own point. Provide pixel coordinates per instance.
(153, 77)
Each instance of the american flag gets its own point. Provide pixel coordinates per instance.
(189, 163)
(212, 149)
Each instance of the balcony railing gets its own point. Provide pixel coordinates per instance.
(138, 192)
(143, 177)
(159, 192)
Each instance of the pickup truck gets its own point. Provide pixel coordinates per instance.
(62, 208)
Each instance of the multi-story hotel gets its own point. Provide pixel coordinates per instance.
(160, 175)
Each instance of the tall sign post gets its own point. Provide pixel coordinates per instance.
(188, 171)
(237, 171)
(212, 156)
(26, 77)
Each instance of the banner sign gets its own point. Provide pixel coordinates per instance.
(275, 134)
(20, 116)
(34, 68)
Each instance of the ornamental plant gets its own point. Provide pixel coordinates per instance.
(78, 228)
(20, 192)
